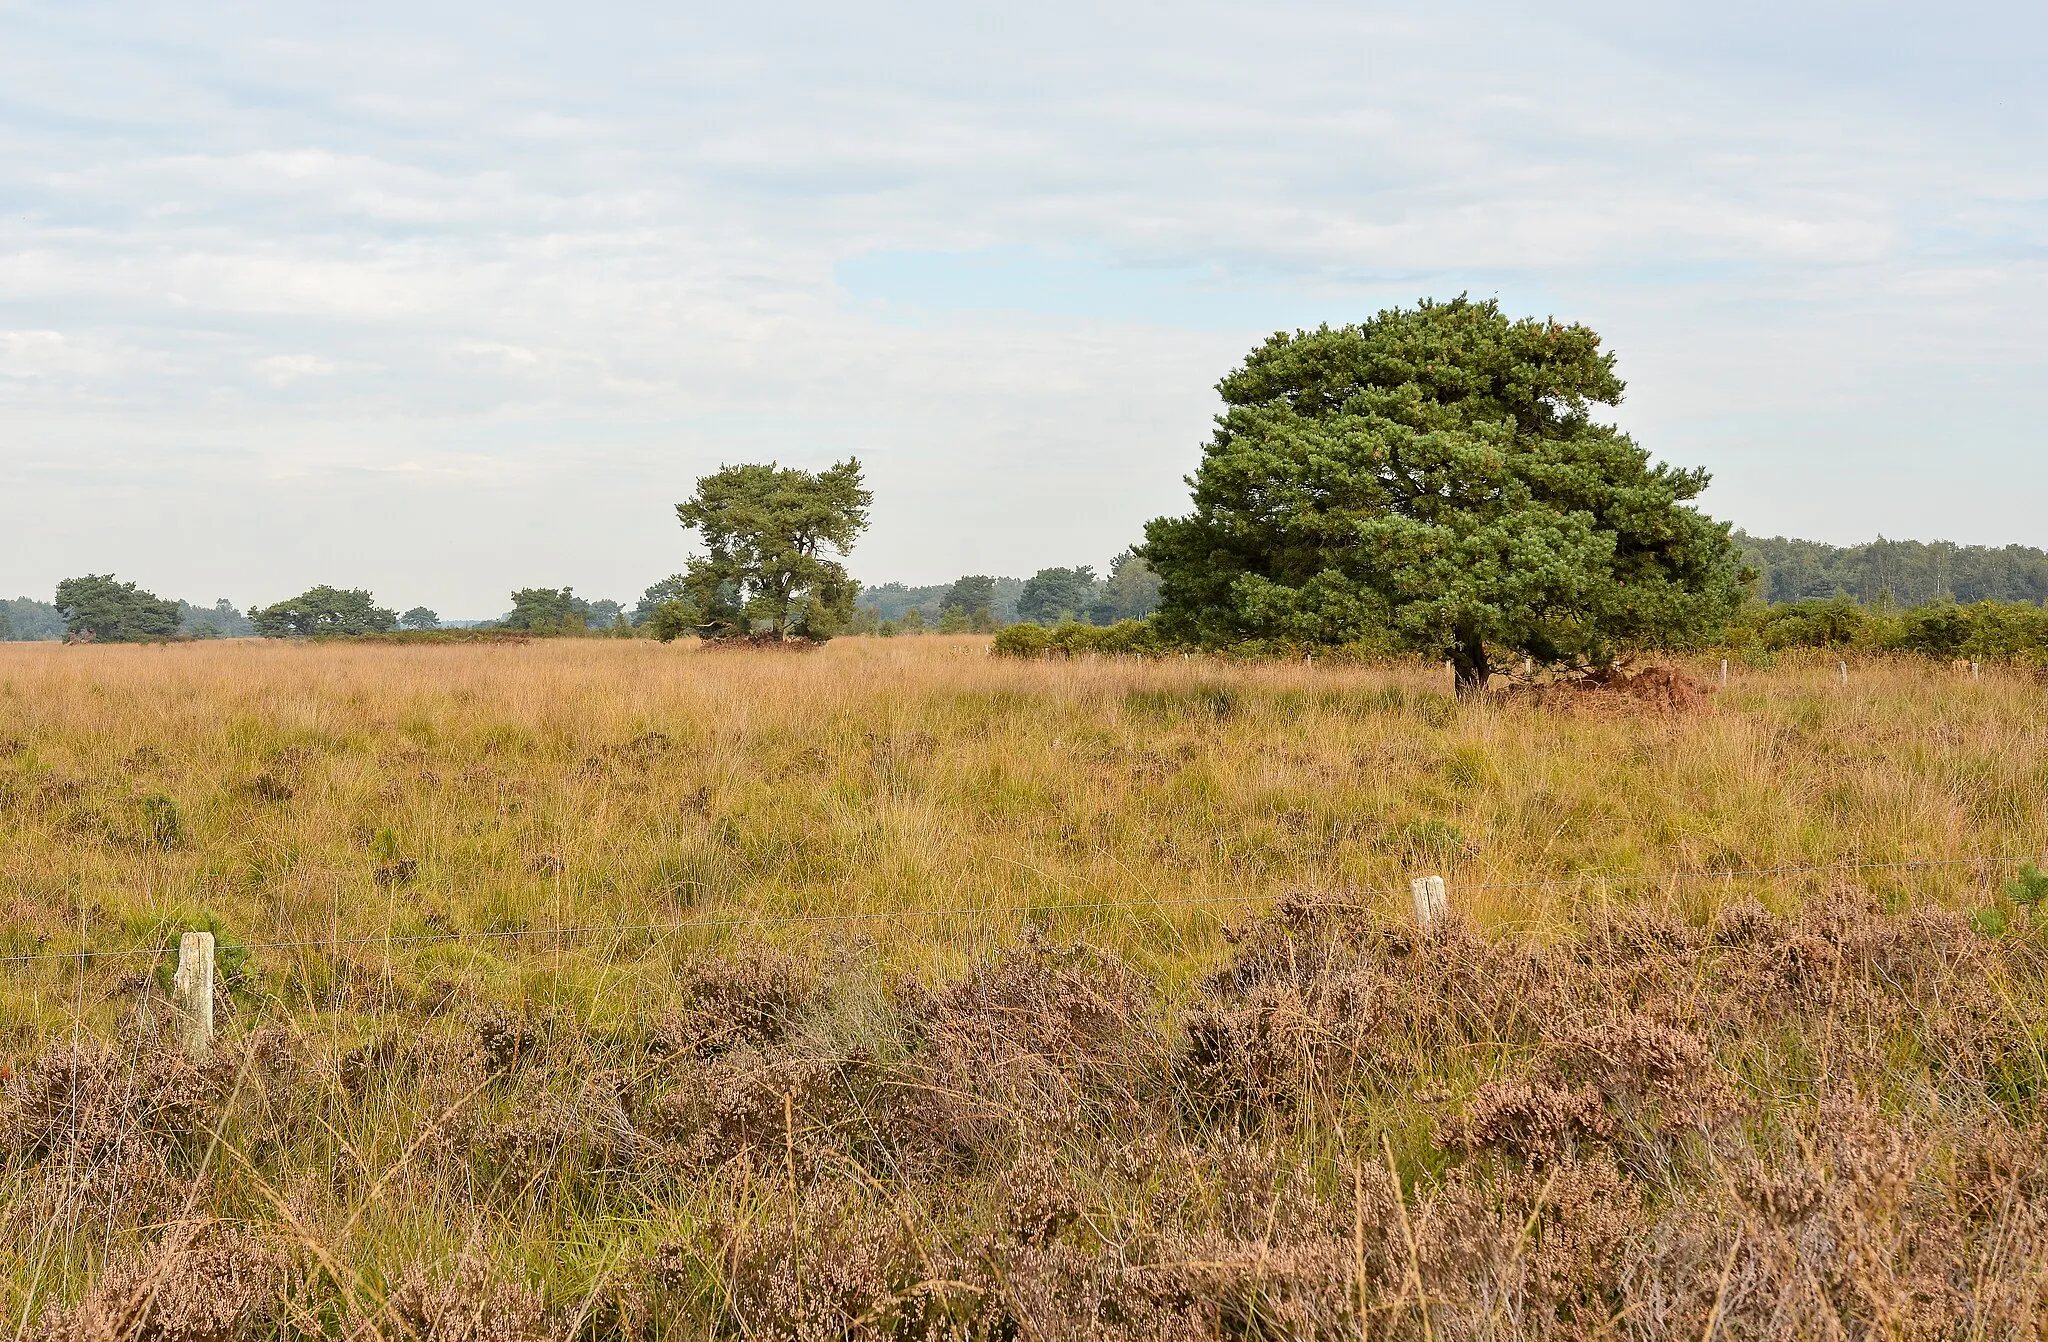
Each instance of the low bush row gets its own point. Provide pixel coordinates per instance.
(1142, 638)
(1070, 637)
(1984, 631)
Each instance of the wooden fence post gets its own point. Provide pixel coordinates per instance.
(1842, 670)
(1724, 673)
(1430, 904)
(192, 991)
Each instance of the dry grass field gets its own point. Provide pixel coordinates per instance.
(614, 989)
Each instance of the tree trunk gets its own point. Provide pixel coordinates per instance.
(1469, 667)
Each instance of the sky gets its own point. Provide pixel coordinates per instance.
(444, 299)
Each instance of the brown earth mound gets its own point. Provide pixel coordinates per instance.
(1660, 687)
(774, 642)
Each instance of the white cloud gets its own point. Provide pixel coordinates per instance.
(282, 370)
(291, 261)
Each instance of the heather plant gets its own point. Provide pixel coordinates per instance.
(898, 990)
(1345, 1122)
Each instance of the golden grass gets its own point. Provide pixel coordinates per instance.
(414, 821)
(600, 782)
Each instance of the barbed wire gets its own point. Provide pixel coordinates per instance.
(908, 915)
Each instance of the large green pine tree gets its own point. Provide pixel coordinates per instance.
(1434, 478)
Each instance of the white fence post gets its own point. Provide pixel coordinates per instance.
(1430, 904)
(1724, 673)
(1976, 672)
(192, 991)
(1842, 670)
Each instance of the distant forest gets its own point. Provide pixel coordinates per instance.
(1905, 573)
(24, 620)
(893, 601)
(1130, 591)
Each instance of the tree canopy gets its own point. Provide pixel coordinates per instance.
(768, 532)
(1131, 591)
(1906, 573)
(1433, 478)
(547, 608)
(221, 620)
(970, 593)
(969, 605)
(675, 587)
(420, 617)
(1055, 594)
(324, 610)
(99, 607)
(29, 619)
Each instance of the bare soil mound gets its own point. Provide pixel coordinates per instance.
(1661, 688)
(771, 642)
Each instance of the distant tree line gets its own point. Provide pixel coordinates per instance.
(1899, 573)
(26, 620)
(98, 607)
(979, 603)
(1428, 482)
(1807, 582)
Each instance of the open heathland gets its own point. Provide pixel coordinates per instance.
(614, 989)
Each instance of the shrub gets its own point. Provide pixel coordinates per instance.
(1985, 631)
(2030, 887)
(1834, 622)
(1070, 638)
(673, 619)
(1023, 640)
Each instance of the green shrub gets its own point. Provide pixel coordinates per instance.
(1832, 622)
(1022, 640)
(1984, 631)
(673, 619)
(1070, 638)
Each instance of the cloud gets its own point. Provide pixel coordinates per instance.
(366, 268)
(281, 370)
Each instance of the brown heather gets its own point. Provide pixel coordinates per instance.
(1632, 1089)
